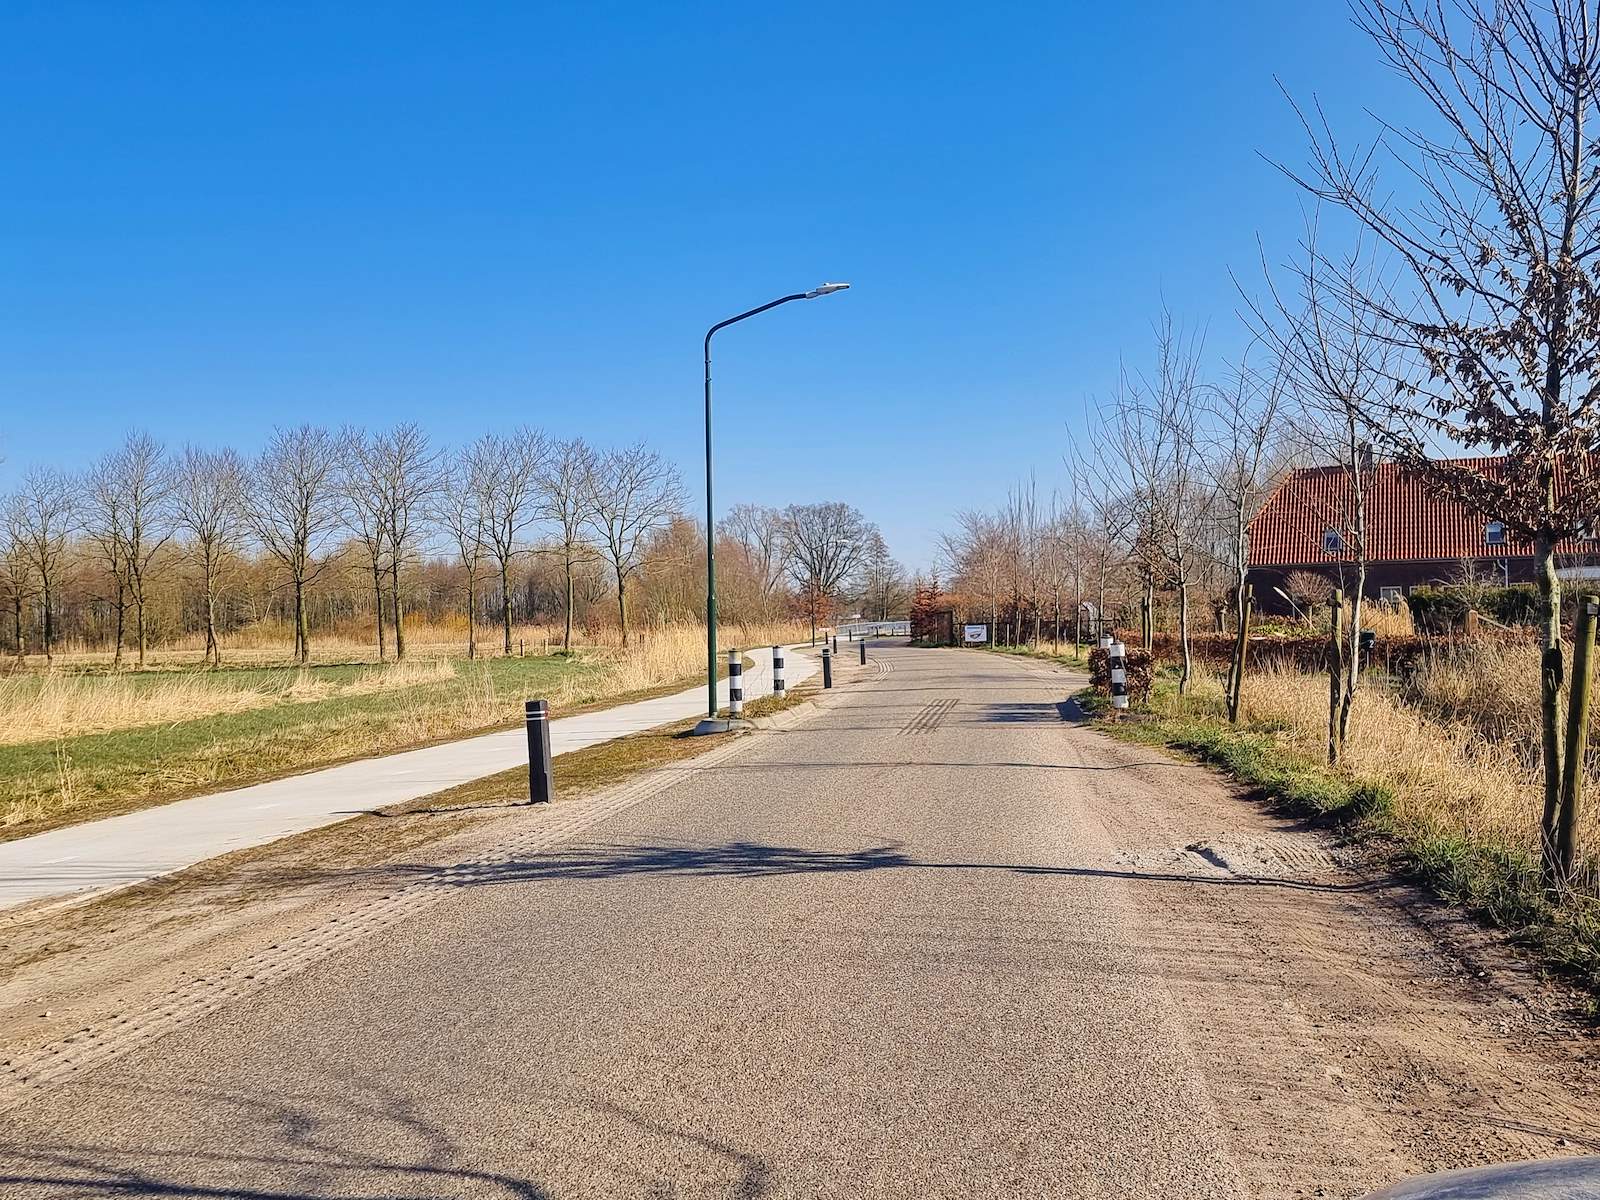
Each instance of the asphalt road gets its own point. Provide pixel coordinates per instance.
(876, 955)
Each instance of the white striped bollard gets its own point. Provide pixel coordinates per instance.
(735, 684)
(777, 671)
(1119, 675)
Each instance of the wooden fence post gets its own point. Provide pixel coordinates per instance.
(1577, 734)
(1241, 648)
(1335, 670)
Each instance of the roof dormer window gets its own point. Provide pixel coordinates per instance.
(1494, 533)
(1332, 541)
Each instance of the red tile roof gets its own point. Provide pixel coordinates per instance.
(1408, 520)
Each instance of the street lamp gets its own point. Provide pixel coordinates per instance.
(708, 725)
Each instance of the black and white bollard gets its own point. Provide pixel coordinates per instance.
(827, 667)
(540, 785)
(1119, 675)
(777, 671)
(863, 652)
(735, 684)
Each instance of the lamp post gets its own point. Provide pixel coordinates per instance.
(826, 289)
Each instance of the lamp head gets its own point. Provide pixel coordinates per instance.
(826, 289)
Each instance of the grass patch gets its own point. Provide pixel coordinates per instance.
(60, 781)
(1498, 884)
(581, 772)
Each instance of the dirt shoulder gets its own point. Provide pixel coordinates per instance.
(1352, 1028)
(70, 967)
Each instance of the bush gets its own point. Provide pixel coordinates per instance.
(1140, 671)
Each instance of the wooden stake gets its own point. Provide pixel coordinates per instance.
(1241, 648)
(1577, 735)
(1335, 670)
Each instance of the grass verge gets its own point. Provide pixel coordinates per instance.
(1497, 886)
(62, 781)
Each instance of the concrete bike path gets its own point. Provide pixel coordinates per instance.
(100, 856)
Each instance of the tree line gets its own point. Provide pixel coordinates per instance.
(512, 525)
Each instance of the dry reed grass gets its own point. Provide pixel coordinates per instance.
(60, 703)
(1447, 774)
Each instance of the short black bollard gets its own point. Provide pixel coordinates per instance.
(540, 786)
(863, 652)
(827, 667)
(836, 643)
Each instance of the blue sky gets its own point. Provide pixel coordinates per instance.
(217, 217)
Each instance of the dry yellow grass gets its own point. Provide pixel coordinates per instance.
(59, 703)
(1445, 772)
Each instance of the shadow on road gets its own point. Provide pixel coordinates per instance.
(298, 1147)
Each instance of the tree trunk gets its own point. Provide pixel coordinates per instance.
(49, 621)
(16, 624)
(1183, 636)
(1550, 697)
(472, 613)
(566, 630)
(301, 639)
(213, 651)
(1352, 671)
(138, 618)
(394, 598)
(622, 610)
(122, 620)
(505, 606)
(377, 606)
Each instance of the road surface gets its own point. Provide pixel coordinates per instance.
(98, 856)
(935, 941)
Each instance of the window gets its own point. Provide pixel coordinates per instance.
(1391, 595)
(1332, 541)
(1494, 533)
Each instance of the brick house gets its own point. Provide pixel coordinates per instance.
(1416, 537)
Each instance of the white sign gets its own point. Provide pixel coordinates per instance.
(975, 633)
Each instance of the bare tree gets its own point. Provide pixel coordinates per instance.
(16, 576)
(1157, 423)
(104, 524)
(564, 501)
(292, 508)
(1337, 355)
(408, 474)
(208, 496)
(631, 493)
(43, 516)
(1243, 432)
(361, 492)
(508, 493)
(1503, 315)
(458, 510)
(827, 545)
(759, 530)
(884, 587)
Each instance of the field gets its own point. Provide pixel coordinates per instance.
(81, 740)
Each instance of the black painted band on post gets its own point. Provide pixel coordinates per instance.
(541, 786)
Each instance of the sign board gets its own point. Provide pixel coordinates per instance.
(975, 633)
